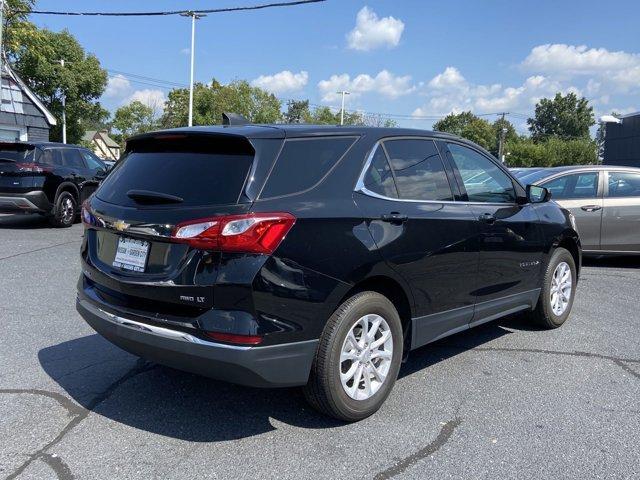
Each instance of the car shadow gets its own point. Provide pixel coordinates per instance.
(629, 261)
(189, 407)
(24, 222)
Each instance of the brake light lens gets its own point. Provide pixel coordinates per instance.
(235, 338)
(250, 233)
(32, 168)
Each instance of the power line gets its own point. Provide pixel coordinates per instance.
(167, 13)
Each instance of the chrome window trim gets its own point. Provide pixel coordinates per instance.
(360, 187)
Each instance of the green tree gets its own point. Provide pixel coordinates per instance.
(563, 116)
(18, 32)
(297, 112)
(469, 126)
(210, 101)
(134, 118)
(553, 152)
(81, 81)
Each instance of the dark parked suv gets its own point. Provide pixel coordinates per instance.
(51, 179)
(315, 256)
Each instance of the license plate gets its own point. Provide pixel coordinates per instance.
(131, 254)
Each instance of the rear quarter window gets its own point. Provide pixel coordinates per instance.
(303, 163)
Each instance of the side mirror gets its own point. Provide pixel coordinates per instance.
(538, 194)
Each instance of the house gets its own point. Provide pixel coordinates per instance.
(23, 116)
(622, 141)
(102, 144)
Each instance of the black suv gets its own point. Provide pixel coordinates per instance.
(51, 179)
(315, 256)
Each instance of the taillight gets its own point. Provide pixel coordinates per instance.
(32, 167)
(235, 338)
(249, 233)
(86, 215)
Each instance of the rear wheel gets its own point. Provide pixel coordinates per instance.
(358, 358)
(558, 290)
(64, 212)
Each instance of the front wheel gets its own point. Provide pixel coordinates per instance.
(64, 211)
(358, 358)
(558, 290)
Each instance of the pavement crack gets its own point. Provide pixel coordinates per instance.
(443, 437)
(61, 469)
(39, 249)
(141, 366)
(627, 368)
(575, 353)
(72, 408)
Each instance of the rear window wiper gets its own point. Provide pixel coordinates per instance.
(147, 196)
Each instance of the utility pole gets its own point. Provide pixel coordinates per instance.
(1, 44)
(64, 107)
(194, 16)
(503, 132)
(342, 108)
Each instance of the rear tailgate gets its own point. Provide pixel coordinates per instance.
(17, 167)
(160, 183)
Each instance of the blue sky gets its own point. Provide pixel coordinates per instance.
(406, 57)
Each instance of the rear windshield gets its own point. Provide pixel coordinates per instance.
(198, 178)
(19, 153)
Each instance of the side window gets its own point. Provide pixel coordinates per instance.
(50, 157)
(624, 184)
(304, 162)
(379, 178)
(71, 158)
(418, 169)
(577, 185)
(92, 162)
(483, 180)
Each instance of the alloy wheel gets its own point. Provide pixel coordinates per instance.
(561, 286)
(68, 210)
(365, 358)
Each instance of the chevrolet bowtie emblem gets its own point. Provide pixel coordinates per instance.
(120, 225)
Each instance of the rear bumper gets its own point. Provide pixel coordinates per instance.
(284, 365)
(29, 202)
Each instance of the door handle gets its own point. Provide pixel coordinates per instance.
(487, 218)
(591, 208)
(395, 218)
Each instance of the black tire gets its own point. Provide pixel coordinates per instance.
(543, 314)
(325, 391)
(61, 217)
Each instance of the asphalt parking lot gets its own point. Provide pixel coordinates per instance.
(504, 400)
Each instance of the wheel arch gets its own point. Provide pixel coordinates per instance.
(571, 243)
(67, 187)
(395, 292)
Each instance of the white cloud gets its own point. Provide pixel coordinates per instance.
(150, 97)
(385, 83)
(372, 32)
(186, 51)
(450, 92)
(618, 70)
(282, 82)
(451, 77)
(118, 86)
(577, 59)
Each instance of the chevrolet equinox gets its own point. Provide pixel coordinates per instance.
(298, 255)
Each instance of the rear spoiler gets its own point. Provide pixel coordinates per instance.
(13, 145)
(229, 118)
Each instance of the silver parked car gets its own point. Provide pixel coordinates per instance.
(604, 199)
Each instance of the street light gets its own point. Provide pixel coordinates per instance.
(342, 108)
(194, 16)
